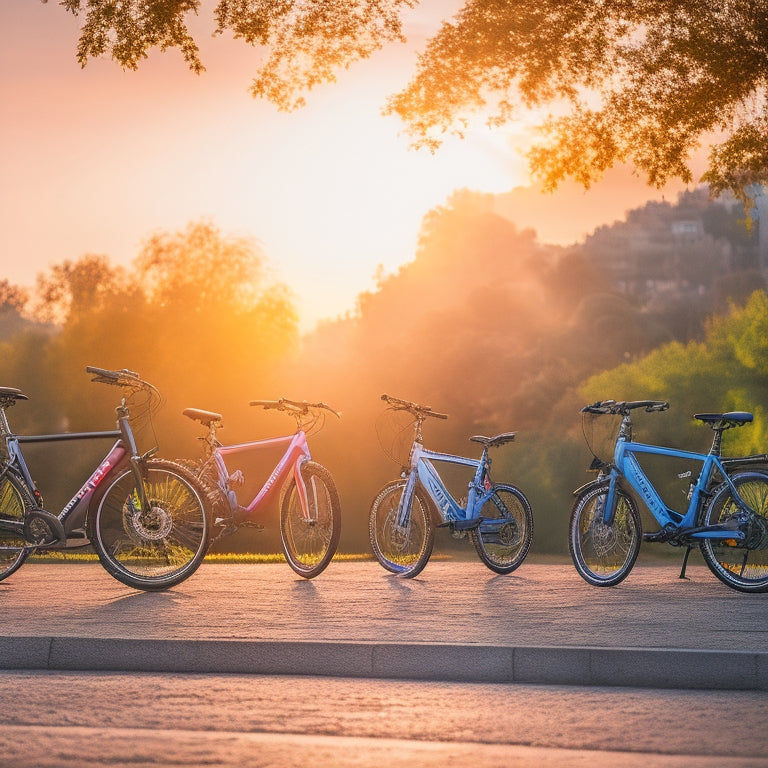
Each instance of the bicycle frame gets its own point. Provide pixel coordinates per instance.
(423, 470)
(627, 467)
(296, 454)
(72, 517)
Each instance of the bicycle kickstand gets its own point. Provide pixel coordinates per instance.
(685, 563)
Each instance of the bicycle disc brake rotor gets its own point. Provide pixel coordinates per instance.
(398, 536)
(153, 525)
(509, 534)
(604, 537)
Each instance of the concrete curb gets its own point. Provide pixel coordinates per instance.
(633, 667)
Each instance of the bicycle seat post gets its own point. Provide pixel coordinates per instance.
(5, 427)
(211, 440)
(717, 442)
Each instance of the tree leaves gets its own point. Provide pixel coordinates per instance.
(638, 81)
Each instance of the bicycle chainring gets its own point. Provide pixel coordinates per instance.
(43, 528)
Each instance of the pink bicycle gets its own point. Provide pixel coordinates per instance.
(310, 514)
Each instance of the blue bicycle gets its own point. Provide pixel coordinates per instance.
(726, 514)
(497, 518)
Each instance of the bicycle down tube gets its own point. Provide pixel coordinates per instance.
(628, 466)
(296, 454)
(427, 475)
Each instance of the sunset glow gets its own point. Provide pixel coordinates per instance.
(95, 160)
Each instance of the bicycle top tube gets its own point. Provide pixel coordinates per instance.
(269, 442)
(424, 454)
(296, 453)
(628, 466)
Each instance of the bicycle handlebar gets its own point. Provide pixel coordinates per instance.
(121, 378)
(413, 408)
(624, 407)
(295, 406)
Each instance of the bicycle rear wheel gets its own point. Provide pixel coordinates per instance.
(157, 547)
(604, 554)
(310, 544)
(402, 550)
(503, 538)
(15, 499)
(742, 565)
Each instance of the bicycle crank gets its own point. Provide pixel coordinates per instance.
(43, 529)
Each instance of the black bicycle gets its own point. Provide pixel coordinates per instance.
(147, 519)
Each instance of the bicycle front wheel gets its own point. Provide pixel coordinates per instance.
(504, 536)
(604, 554)
(742, 565)
(403, 550)
(157, 547)
(15, 499)
(310, 539)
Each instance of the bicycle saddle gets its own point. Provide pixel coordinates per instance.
(12, 394)
(732, 419)
(204, 417)
(506, 437)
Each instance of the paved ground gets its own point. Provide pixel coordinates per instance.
(457, 621)
(137, 720)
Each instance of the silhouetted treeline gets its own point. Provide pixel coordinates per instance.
(487, 324)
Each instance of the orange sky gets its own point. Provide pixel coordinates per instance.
(95, 160)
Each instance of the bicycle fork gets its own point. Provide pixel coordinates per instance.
(308, 511)
(403, 517)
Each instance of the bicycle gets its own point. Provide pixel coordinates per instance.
(496, 517)
(726, 514)
(310, 513)
(146, 518)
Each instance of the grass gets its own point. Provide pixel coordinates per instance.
(219, 557)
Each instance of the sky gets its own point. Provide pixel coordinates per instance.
(96, 160)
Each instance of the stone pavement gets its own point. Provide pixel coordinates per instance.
(456, 621)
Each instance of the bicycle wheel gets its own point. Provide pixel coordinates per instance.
(309, 544)
(401, 550)
(604, 554)
(503, 538)
(217, 504)
(15, 499)
(742, 565)
(158, 547)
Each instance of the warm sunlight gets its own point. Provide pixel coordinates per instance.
(331, 191)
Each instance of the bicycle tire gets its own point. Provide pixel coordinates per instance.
(604, 555)
(742, 566)
(502, 548)
(402, 552)
(310, 545)
(158, 548)
(218, 506)
(15, 499)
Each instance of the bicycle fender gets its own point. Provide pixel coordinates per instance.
(593, 484)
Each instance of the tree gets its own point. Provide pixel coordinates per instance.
(636, 81)
(308, 40)
(639, 81)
